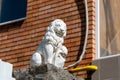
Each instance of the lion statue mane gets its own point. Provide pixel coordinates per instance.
(51, 49)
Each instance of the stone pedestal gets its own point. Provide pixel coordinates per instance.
(45, 72)
(5, 71)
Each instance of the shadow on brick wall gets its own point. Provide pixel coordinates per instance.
(11, 26)
(81, 8)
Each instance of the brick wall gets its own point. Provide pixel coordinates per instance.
(18, 41)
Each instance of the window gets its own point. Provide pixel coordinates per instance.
(12, 10)
(108, 27)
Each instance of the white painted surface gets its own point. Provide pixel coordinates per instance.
(97, 29)
(5, 71)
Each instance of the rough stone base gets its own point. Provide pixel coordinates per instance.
(45, 72)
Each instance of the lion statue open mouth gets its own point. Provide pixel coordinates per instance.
(51, 49)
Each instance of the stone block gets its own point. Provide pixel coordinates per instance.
(5, 71)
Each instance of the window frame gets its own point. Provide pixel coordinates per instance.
(97, 28)
(15, 13)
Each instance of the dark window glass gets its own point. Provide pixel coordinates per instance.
(12, 10)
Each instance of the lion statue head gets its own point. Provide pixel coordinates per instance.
(58, 27)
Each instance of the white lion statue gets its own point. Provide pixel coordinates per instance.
(51, 49)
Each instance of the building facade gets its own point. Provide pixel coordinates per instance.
(19, 40)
